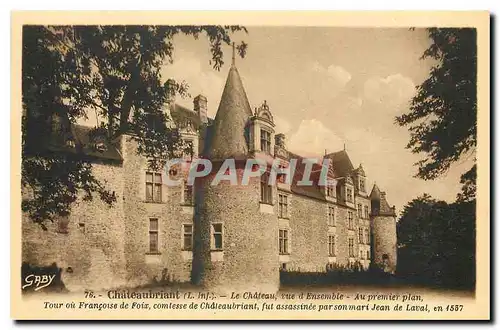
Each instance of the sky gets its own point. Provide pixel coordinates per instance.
(327, 87)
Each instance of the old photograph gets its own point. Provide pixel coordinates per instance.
(266, 169)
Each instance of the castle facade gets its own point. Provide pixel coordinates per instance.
(222, 237)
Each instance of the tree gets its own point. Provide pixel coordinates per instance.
(436, 242)
(443, 114)
(114, 71)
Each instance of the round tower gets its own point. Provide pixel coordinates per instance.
(383, 228)
(235, 242)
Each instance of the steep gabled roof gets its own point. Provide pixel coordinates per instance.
(228, 138)
(341, 162)
(314, 190)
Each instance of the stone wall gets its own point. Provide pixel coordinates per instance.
(91, 251)
(170, 263)
(384, 242)
(109, 247)
(249, 258)
(309, 232)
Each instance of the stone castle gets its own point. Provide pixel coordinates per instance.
(221, 237)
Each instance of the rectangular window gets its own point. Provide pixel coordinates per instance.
(329, 191)
(351, 247)
(283, 206)
(187, 237)
(217, 236)
(153, 187)
(188, 149)
(266, 192)
(350, 220)
(188, 194)
(360, 211)
(367, 235)
(349, 194)
(283, 241)
(368, 255)
(153, 235)
(265, 141)
(360, 236)
(367, 213)
(362, 185)
(280, 176)
(361, 255)
(331, 245)
(331, 216)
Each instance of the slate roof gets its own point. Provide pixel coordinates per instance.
(229, 129)
(81, 135)
(341, 162)
(180, 113)
(377, 195)
(313, 191)
(385, 208)
(342, 167)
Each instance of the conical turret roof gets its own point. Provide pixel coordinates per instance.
(229, 127)
(375, 194)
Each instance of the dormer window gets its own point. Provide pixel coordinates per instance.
(100, 146)
(265, 141)
(362, 185)
(349, 194)
(188, 149)
(261, 131)
(281, 177)
(70, 143)
(97, 139)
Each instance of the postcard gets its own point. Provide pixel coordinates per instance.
(250, 165)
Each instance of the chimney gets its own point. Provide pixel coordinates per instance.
(280, 140)
(200, 106)
(170, 84)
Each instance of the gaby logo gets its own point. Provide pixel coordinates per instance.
(38, 281)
